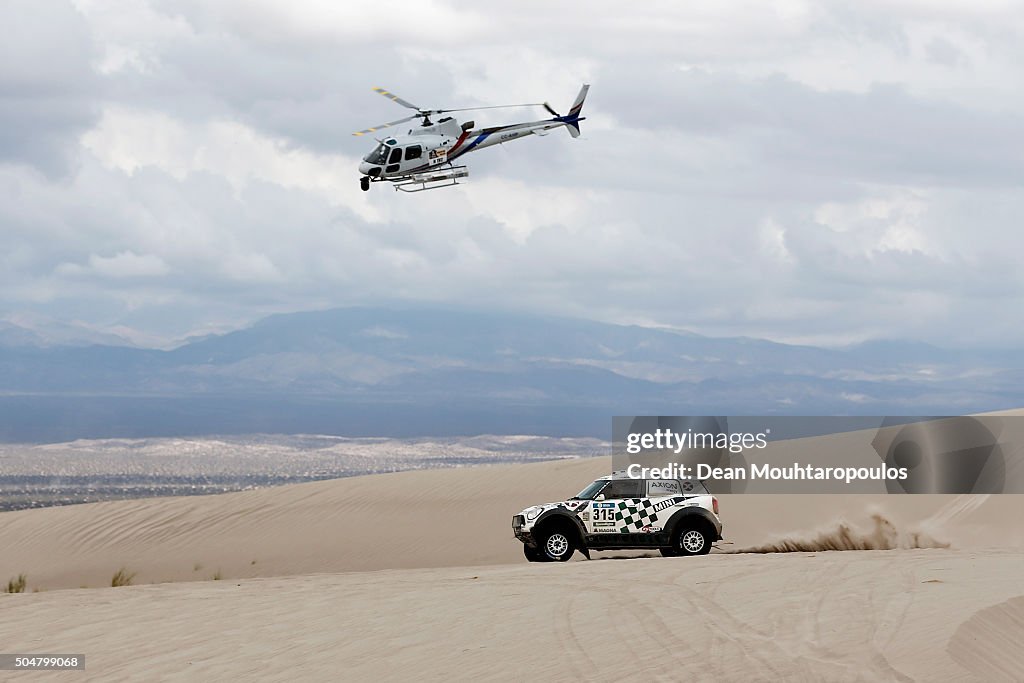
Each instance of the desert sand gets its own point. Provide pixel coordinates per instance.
(417, 574)
(925, 615)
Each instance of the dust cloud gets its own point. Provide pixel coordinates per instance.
(883, 534)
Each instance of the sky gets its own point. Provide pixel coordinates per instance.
(807, 172)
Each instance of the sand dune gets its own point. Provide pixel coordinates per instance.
(879, 616)
(417, 574)
(409, 519)
(438, 518)
(989, 643)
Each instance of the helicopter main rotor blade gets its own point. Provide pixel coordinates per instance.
(497, 106)
(385, 125)
(395, 98)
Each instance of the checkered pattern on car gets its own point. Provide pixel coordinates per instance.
(634, 514)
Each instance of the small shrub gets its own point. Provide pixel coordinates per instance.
(17, 584)
(122, 578)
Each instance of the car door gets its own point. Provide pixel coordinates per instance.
(619, 497)
(662, 497)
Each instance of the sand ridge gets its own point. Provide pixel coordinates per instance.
(422, 519)
(899, 615)
(417, 574)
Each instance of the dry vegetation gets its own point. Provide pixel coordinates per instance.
(122, 577)
(17, 584)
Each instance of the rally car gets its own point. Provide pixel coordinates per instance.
(617, 512)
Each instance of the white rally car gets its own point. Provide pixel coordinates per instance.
(677, 516)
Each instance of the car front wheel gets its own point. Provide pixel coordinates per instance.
(557, 545)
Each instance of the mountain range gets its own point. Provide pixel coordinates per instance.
(389, 372)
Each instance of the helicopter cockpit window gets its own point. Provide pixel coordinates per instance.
(379, 155)
(413, 152)
(396, 155)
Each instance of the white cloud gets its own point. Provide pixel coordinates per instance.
(252, 268)
(895, 222)
(427, 21)
(773, 240)
(122, 264)
(128, 140)
(804, 171)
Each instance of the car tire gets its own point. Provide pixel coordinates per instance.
(691, 538)
(533, 554)
(557, 545)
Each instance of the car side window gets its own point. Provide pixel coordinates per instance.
(623, 488)
(413, 152)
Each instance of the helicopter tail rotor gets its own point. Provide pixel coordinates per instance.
(573, 118)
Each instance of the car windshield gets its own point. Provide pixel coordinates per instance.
(591, 491)
(379, 155)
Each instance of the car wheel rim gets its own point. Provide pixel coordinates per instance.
(692, 541)
(557, 545)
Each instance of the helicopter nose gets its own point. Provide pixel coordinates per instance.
(364, 167)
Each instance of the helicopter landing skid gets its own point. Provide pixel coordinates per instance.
(431, 180)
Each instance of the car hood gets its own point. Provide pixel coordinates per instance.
(568, 505)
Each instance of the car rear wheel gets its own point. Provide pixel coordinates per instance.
(691, 539)
(557, 545)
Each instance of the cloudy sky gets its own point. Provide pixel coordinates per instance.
(820, 172)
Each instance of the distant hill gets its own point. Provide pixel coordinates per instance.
(369, 371)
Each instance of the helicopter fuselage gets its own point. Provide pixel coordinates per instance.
(423, 148)
(421, 159)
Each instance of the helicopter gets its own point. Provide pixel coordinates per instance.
(421, 159)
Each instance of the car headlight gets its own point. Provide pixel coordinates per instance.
(532, 513)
